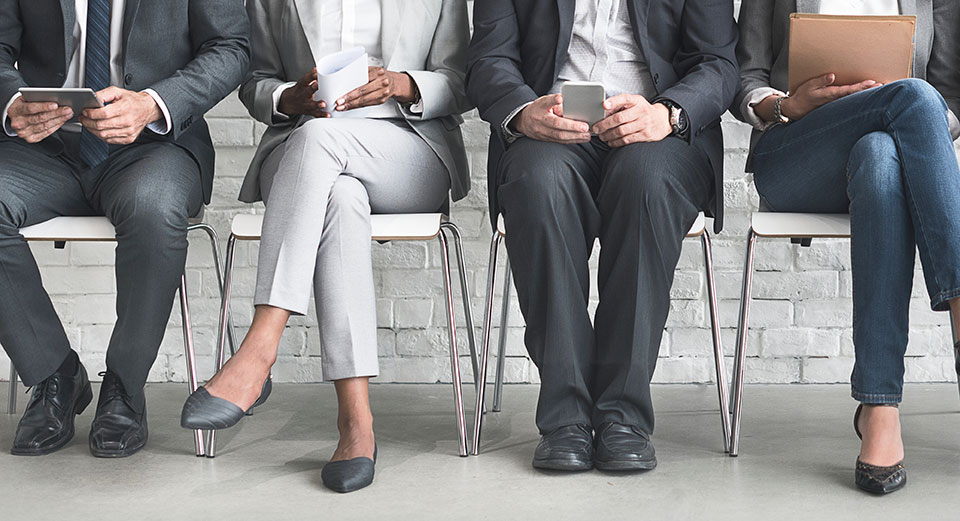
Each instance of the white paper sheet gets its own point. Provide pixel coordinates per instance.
(338, 74)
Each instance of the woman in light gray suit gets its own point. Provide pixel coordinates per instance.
(394, 146)
(883, 153)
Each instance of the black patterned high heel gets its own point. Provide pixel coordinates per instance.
(874, 479)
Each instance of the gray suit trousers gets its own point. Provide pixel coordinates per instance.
(148, 191)
(640, 201)
(320, 188)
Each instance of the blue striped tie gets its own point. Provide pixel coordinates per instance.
(93, 151)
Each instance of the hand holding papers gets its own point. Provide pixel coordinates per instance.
(338, 74)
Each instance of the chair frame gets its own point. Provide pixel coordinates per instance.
(803, 238)
(188, 343)
(445, 227)
(496, 239)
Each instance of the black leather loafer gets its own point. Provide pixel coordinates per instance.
(568, 448)
(349, 475)
(48, 422)
(120, 426)
(624, 447)
(874, 479)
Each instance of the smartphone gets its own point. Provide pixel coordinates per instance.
(583, 101)
(77, 99)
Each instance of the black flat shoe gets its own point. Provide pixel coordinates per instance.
(204, 411)
(874, 479)
(120, 426)
(47, 424)
(623, 447)
(568, 448)
(349, 475)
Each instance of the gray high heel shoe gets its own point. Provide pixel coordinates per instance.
(349, 475)
(204, 411)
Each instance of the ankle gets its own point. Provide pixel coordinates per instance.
(355, 423)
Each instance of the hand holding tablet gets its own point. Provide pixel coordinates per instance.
(76, 99)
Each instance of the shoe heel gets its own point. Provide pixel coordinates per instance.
(85, 398)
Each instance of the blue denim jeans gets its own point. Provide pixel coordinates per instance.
(886, 156)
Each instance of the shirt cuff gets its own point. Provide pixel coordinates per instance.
(508, 134)
(160, 127)
(277, 115)
(7, 129)
(752, 98)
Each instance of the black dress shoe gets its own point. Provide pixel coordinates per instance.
(120, 427)
(48, 422)
(349, 475)
(567, 448)
(205, 411)
(874, 479)
(624, 447)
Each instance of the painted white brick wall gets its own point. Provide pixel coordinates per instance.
(800, 327)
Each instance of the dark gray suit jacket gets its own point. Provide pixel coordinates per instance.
(519, 46)
(762, 52)
(193, 53)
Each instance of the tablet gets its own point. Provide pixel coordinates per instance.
(78, 99)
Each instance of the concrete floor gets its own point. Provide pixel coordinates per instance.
(797, 456)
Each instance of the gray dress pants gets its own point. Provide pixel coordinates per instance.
(148, 191)
(320, 188)
(640, 201)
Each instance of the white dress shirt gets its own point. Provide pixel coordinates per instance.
(602, 49)
(348, 24)
(836, 7)
(77, 65)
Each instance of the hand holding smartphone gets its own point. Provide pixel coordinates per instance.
(583, 101)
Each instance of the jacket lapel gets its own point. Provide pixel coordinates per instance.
(129, 17)
(808, 6)
(638, 10)
(389, 29)
(309, 13)
(566, 10)
(908, 7)
(68, 10)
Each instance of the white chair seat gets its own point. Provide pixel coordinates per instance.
(801, 225)
(699, 226)
(71, 229)
(385, 227)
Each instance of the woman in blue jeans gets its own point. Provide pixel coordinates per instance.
(883, 153)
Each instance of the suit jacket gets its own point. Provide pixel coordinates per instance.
(519, 46)
(763, 47)
(193, 53)
(424, 38)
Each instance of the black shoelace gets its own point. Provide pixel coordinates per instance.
(45, 390)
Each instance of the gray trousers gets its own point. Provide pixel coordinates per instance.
(320, 188)
(640, 201)
(148, 191)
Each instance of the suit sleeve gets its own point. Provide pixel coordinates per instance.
(266, 73)
(219, 33)
(441, 85)
(943, 71)
(10, 33)
(755, 54)
(494, 81)
(707, 62)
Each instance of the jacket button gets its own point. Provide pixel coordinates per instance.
(128, 79)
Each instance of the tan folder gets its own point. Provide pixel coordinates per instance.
(855, 48)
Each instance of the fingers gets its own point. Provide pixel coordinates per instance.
(620, 131)
(621, 101)
(568, 125)
(110, 111)
(42, 131)
(377, 92)
(110, 94)
(23, 108)
(21, 123)
(618, 118)
(309, 78)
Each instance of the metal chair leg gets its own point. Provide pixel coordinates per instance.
(742, 330)
(222, 330)
(956, 347)
(12, 399)
(190, 355)
(717, 341)
(215, 246)
(502, 341)
(454, 355)
(465, 290)
(480, 408)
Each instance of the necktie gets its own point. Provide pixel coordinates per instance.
(93, 151)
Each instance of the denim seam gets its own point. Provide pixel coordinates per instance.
(944, 297)
(875, 397)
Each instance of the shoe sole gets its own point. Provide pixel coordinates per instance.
(625, 465)
(567, 465)
(86, 397)
(110, 454)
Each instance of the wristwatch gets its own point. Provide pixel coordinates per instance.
(778, 111)
(678, 118)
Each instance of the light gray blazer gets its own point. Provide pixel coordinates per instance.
(425, 38)
(762, 51)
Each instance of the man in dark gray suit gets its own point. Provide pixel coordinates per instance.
(636, 181)
(145, 161)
